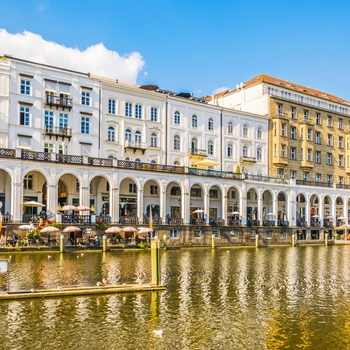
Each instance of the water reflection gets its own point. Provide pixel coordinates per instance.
(273, 298)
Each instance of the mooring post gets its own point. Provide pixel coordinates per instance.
(326, 239)
(256, 241)
(293, 239)
(155, 261)
(165, 242)
(62, 243)
(212, 241)
(104, 243)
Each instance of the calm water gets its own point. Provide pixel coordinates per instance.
(274, 298)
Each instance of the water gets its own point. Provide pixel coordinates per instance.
(242, 298)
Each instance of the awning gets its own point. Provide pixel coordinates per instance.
(205, 162)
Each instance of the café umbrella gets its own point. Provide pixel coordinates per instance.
(33, 204)
(68, 207)
(49, 229)
(113, 229)
(72, 229)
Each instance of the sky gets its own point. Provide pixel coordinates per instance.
(196, 46)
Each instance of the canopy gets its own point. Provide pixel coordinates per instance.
(49, 229)
(205, 162)
(33, 204)
(129, 229)
(113, 229)
(72, 229)
(69, 207)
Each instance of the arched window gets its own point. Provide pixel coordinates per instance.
(138, 136)
(128, 135)
(245, 130)
(177, 163)
(210, 124)
(194, 121)
(153, 161)
(177, 118)
(229, 151)
(259, 133)
(210, 147)
(177, 143)
(127, 158)
(138, 160)
(194, 144)
(258, 154)
(111, 134)
(230, 128)
(154, 140)
(245, 151)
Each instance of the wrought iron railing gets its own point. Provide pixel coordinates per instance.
(313, 183)
(42, 156)
(65, 158)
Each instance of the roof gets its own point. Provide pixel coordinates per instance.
(263, 78)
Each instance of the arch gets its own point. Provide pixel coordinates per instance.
(128, 135)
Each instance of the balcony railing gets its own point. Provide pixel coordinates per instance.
(313, 183)
(248, 159)
(151, 167)
(100, 161)
(129, 220)
(58, 101)
(284, 223)
(7, 153)
(65, 158)
(198, 152)
(301, 223)
(57, 131)
(42, 156)
(268, 222)
(135, 145)
(253, 222)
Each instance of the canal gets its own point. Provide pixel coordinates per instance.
(241, 298)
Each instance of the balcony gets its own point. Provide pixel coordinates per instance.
(196, 153)
(268, 222)
(248, 160)
(313, 183)
(281, 116)
(280, 161)
(307, 164)
(135, 146)
(32, 155)
(58, 102)
(283, 223)
(55, 131)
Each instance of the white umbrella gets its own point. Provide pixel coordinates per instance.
(69, 207)
(49, 229)
(33, 204)
(145, 230)
(129, 229)
(82, 208)
(113, 229)
(315, 216)
(205, 163)
(235, 213)
(329, 217)
(343, 227)
(271, 214)
(198, 211)
(72, 229)
(25, 227)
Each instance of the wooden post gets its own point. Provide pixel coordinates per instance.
(155, 261)
(62, 243)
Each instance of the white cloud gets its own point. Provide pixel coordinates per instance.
(220, 89)
(96, 59)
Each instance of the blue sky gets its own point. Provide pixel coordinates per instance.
(190, 46)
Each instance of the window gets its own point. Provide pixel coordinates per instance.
(340, 124)
(330, 140)
(309, 155)
(28, 182)
(85, 97)
(213, 193)
(293, 132)
(194, 145)
(24, 115)
(283, 150)
(128, 135)
(177, 143)
(318, 177)
(293, 153)
(132, 188)
(306, 115)
(279, 109)
(128, 109)
(293, 112)
(25, 87)
(341, 180)
(210, 124)
(329, 121)
(318, 118)
(245, 151)
(293, 174)
(85, 125)
(197, 233)
(245, 130)
(341, 142)
(154, 114)
(275, 150)
(177, 118)
(318, 157)
(138, 111)
(138, 138)
(154, 189)
(318, 137)
(153, 161)
(49, 121)
(258, 155)
(341, 160)
(194, 121)
(283, 129)
(154, 140)
(274, 128)
(48, 147)
(229, 151)
(210, 147)
(111, 106)
(230, 128)
(329, 158)
(305, 176)
(280, 173)
(329, 179)
(196, 192)
(111, 134)
(259, 133)
(309, 134)
(174, 233)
